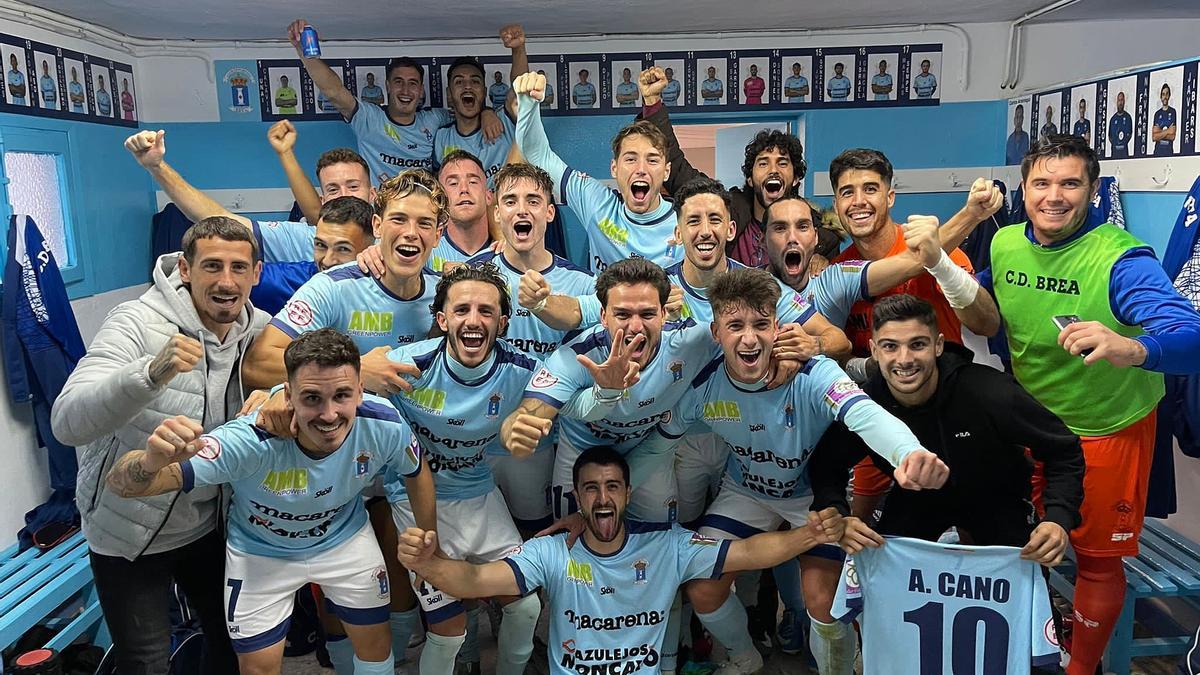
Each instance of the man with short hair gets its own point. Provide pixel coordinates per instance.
(610, 595)
(174, 350)
(1048, 127)
(795, 88)
(103, 98)
(285, 97)
(281, 537)
(399, 135)
(498, 91)
(1162, 132)
(839, 86)
(1018, 141)
(469, 198)
(16, 81)
(634, 218)
(925, 83)
(548, 100)
(75, 92)
(881, 82)
(1083, 126)
(626, 91)
(1120, 130)
(371, 93)
(1113, 322)
(128, 108)
(583, 94)
(48, 87)
(712, 89)
(754, 87)
(470, 381)
(670, 92)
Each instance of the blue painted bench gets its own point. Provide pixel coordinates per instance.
(54, 588)
(1168, 566)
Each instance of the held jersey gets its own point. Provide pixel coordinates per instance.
(924, 84)
(527, 333)
(493, 156)
(447, 251)
(609, 612)
(456, 413)
(670, 93)
(710, 87)
(796, 83)
(1083, 129)
(839, 87)
(284, 240)
(754, 87)
(834, 291)
(75, 93)
(49, 91)
(791, 308)
(104, 103)
(584, 94)
(627, 89)
(932, 608)
(770, 432)
(390, 148)
(498, 93)
(357, 304)
(684, 348)
(1164, 119)
(882, 80)
(289, 504)
(614, 232)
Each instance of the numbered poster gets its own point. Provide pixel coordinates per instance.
(1080, 104)
(127, 95)
(797, 70)
(1163, 120)
(582, 76)
(548, 69)
(839, 77)
(1122, 97)
(496, 79)
(753, 73)
(76, 87)
(319, 103)
(17, 87)
(882, 68)
(47, 80)
(675, 69)
(925, 69)
(283, 90)
(711, 74)
(623, 83)
(1049, 114)
(371, 80)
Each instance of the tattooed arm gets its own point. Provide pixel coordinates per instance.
(156, 470)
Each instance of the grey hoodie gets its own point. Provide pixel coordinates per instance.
(109, 406)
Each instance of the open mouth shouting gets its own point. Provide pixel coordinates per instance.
(773, 188)
(605, 523)
(793, 263)
(640, 191)
(523, 230)
(409, 254)
(472, 340)
(636, 352)
(749, 357)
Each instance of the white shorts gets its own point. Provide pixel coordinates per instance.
(259, 590)
(478, 530)
(699, 465)
(655, 501)
(525, 483)
(736, 515)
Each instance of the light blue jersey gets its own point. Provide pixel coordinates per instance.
(16, 79)
(935, 608)
(456, 413)
(103, 103)
(49, 90)
(448, 252)
(548, 99)
(838, 87)
(613, 231)
(357, 304)
(710, 87)
(75, 93)
(627, 89)
(284, 240)
(390, 148)
(925, 85)
(795, 82)
(493, 156)
(527, 333)
(498, 94)
(770, 432)
(670, 93)
(288, 504)
(608, 613)
(683, 350)
(372, 94)
(882, 80)
(835, 290)
(584, 94)
(791, 308)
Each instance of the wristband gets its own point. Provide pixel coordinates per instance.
(541, 304)
(959, 287)
(607, 396)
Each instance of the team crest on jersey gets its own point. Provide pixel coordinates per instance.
(362, 464)
(299, 312)
(210, 448)
(789, 415)
(676, 368)
(381, 578)
(639, 571)
(493, 409)
(543, 380)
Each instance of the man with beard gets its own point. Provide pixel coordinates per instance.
(49, 87)
(671, 91)
(498, 91)
(75, 92)
(468, 196)
(1048, 127)
(626, 91)
(399, 135)
(795, 88)
(470, 381)
(1083, 126)
(770, 433)
(172, 351)
(774, 165)
(712, 89)
(281, 536)
(754, 87)
(1120, 130)
(609, 609)
(1162, 132)
(925, 82)
(839, 86)
(466, 91)
(881, 82)
(17, 87)
(633, 219)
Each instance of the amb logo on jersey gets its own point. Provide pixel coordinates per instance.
(722, 411)
(364, 322)
(580, 573)
(432, 400)
(287, 482)
(614, 232)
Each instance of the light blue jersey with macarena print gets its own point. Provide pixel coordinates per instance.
(884, 80)
(288, 504)
(791, 308)
(527, 333)
(608, 613)
(795, 82)
(613, 231)
(683, 350)
(670, 93)
(835, 290)
(284, 240)
(456, 413)
(390, 148)
(357, 304)
(838, 87)
(493, 156)
(926, 607)
(925, 85)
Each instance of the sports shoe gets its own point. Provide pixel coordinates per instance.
(751, 662)
(792, 634)
(759, 629)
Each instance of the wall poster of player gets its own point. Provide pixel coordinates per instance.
(49, 81)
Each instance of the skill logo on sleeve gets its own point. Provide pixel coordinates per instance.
(543, 380)
(210, 448)
(299, 312)
(841, 391)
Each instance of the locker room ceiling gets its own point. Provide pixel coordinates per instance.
(375, 19)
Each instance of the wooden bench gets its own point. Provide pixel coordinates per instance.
(54, 588)
(1168, 566)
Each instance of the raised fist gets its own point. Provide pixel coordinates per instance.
(532, 85)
